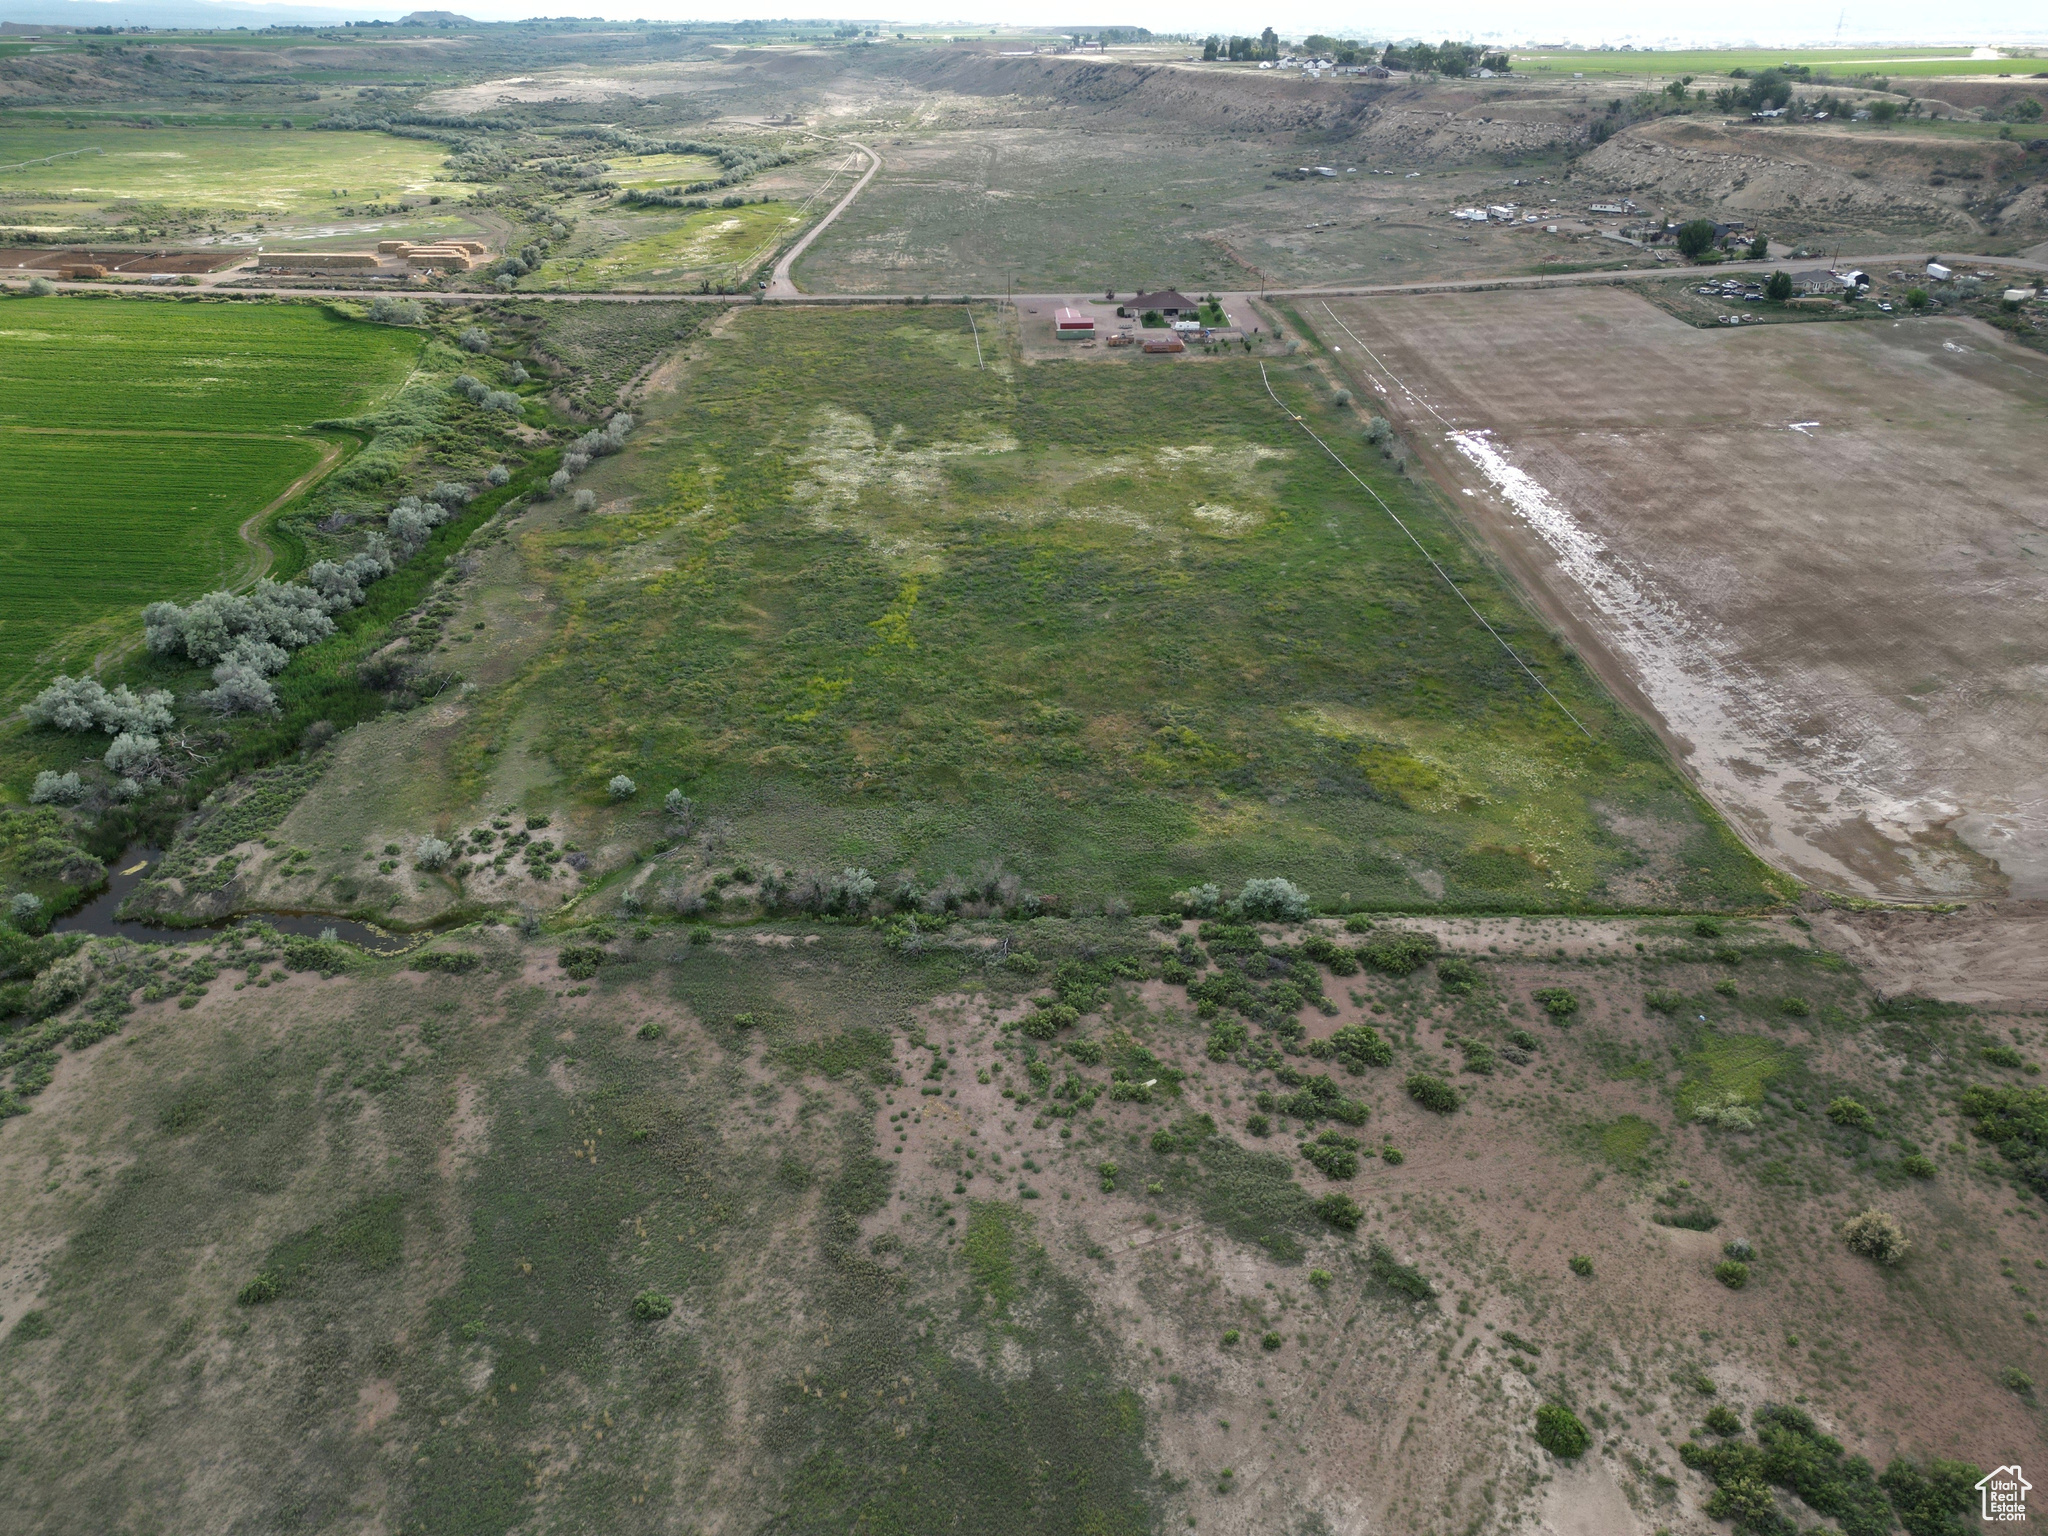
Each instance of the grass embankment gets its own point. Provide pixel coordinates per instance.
(1120, 626)
(139, 438)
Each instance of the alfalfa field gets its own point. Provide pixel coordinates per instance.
(141, 438)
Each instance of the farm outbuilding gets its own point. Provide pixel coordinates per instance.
(1071, 322)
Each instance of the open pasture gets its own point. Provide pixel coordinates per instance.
(1709, 63)
(1813, 550)
(990, 209)
(1119, 626)
(187, 176)
(663, 248)
(139, 438)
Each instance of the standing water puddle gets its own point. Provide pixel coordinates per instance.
(134, 865)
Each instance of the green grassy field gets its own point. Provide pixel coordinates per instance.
(139, 437)
(218, 173)
(721, 243)
(1108, 622)
(1718, 61)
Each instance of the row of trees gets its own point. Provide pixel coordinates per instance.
(1445, 58)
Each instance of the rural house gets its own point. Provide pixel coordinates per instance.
(1170, 304)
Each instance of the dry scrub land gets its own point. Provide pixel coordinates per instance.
(1813, 551)
(794, 1228)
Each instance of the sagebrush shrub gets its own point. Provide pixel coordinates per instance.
(1877, 1235)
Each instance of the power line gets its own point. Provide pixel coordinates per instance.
(1423, 549)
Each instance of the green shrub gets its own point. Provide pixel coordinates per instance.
(1226, 1038)
(1732, 1273)
(652, 1306)
(1320, 1279)
(1850, 1114)
(1558, 1002)
(1399, 952)
(1231, 1336)
(453, 962)
(1340, 1211)
(1047, 1020)
(2015, 1380)
(2015, 1120)
(1358, 922)
(580, 961)
(1794, 1007)
(1108, 1171)
(265, 1287)
(1522, 1040)
(1258, 1125)
(1336, 1156)
(1559, 1432)
(1432, 1092)
(329, 957)
(1663, 1000)
(650, 1031)
(1359, 1046)
(1396, 1276)
(1580, 1264)
(1324, 950)
(36, 1325)
(1270, 1340)
(1319, 1098)
(2004, 1056)
(1184, 1135)
(1936, 1501)
(1690, 1218)
(1456, 974)
(1723, 1420)
(1917, 1165)
(1393, 1156)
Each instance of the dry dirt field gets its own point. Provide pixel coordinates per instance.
(1815, 552)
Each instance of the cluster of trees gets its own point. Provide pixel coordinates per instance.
(609, 438)
(1342, 50)
(1445, 58)
(248, 637)
(1243, 49)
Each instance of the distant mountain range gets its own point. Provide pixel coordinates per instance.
(187, 13)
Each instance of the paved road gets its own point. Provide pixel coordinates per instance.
(781, 286)
(1334, 291)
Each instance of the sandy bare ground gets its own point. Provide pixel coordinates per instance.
(1817, 553)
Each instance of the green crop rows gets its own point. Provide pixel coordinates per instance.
(81, 363)
(139, 437)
